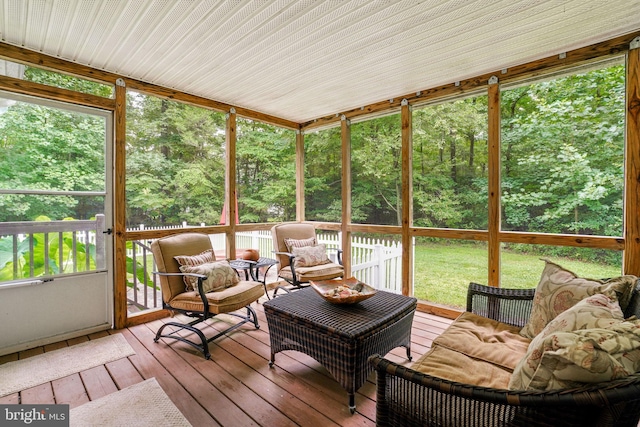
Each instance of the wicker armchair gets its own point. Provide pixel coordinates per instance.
(406, 397)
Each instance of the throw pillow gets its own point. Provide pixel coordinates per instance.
(560, 289)
(299, 243)
(310, 255)
(597, 311)
(571, 359)
(191, 283)
(219, 274)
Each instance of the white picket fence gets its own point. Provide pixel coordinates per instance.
(377, 262)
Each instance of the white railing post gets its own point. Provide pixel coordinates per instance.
(378, 256)
(254, 240)
(100, 244)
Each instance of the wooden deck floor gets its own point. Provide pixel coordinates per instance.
(236, 387)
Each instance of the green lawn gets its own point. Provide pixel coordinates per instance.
(443, 271)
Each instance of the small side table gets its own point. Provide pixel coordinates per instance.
(252, 269)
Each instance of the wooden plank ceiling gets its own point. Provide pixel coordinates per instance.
(305, 59)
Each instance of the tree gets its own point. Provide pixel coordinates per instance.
(376, 147)
(265, 172)
(175, 162)
(562, 166)
(45, 148)
(323, 175)
(450, 164)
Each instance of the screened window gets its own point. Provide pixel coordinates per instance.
(323, 175)
(376, 184)
(450, 164)
(175, 163)
(563, 152)
(521, 264)
(266, 172)
(434, 278)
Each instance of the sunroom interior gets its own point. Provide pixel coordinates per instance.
(392, 67)
(348, 96)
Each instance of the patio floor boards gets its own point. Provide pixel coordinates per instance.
(236, 387)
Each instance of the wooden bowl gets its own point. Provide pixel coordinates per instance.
(324, 288)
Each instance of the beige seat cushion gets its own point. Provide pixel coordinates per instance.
(475, 350)
(316, 272)
(452, 365)
(223, 301)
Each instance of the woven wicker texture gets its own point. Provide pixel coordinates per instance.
(408, 397)
(340, 337)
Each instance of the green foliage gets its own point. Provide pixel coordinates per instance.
(63, 81)
(45, 148)
(52, 256)
(175, 162)
(562, 154)
(450, 164)
(323, 175)
(376, 183)
(266, 173)
(56, 258)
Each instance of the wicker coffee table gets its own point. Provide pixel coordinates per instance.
(340, 337)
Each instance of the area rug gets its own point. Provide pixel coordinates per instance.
(142, 404)
(49, 366)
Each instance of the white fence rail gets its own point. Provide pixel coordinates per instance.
(376, 262)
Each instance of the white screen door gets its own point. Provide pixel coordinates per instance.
(55, 219)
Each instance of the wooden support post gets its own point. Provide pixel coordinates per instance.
(346, 195)
(494, 182)
(631, 264)
(231, 194)
(407, 197)
(119, 208)
(300, 206)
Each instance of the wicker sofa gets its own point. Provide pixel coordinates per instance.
(408, 397)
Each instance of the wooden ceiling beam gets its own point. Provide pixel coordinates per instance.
(37, 59)
(199, 101)
(24, 87)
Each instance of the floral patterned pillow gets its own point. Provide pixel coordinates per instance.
(560, 289)
(597, 311)
(219, 274)
(571, 359)
(191, 283)
(310, 256)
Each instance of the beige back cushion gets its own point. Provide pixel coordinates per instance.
(289, 231)
(165, 249)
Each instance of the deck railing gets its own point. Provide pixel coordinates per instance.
(34, 249)
(374, 261)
